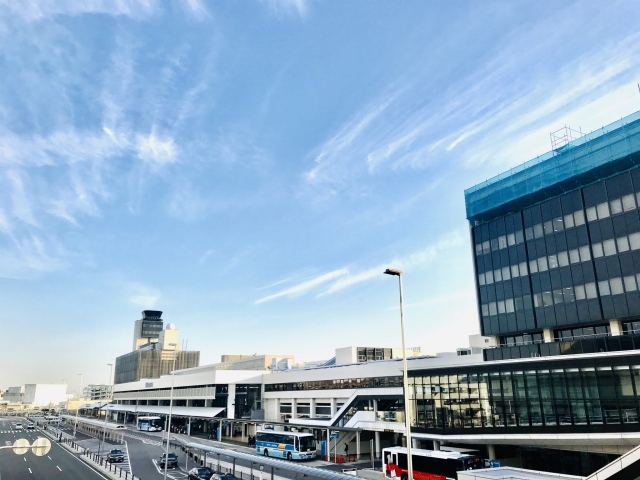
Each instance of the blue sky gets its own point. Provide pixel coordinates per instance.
(251, 168)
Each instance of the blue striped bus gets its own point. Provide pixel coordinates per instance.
(289, 445)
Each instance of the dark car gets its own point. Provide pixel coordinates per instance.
(223, 476)
(172, 460)
(200, 473)
(115, 455)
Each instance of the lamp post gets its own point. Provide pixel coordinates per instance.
(75, 425)
(405, 378)
(104, 428)
(173, 370)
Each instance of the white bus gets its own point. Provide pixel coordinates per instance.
(289, 445)
(150, 424)
(427, 464)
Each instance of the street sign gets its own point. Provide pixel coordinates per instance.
(334, 436)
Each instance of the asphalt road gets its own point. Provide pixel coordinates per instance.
(57, 464)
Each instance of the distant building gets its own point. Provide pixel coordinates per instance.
(97, 392)
(153, 358)
(37, 395)
(347, 355)
(147, 329)
(14, 394)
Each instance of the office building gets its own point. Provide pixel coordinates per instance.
(97, 392)
(147, 329)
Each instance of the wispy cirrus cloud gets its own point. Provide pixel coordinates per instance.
(304, 286)
(289, 7)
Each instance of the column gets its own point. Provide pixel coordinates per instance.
(491, 452)
(294, 408)
(547, 334)
(231, 400)
(312, 408)
(189, 426)
(277, 412)
(616, 328)
(334, 409)
(436, 445)
(357, 445)
(377, 444)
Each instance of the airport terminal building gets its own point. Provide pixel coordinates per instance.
(556, 382)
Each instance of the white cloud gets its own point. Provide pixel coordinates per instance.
(33, 10)
(156, 150)
(304, 286)
(288, 7)
(143, 295)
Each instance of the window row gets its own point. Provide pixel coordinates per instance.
(370, 382)
(565, 295)
(583, 332)
(612, 207)
(618, 285)
(504, 273)
(616, 245)
(499, 243)
(558, 224)
(560, 259)
(524, 339)
(509, 305)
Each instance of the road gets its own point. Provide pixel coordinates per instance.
(58, 464)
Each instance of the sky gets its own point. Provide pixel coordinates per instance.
(250, 168)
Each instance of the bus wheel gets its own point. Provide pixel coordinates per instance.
(288, 455)
(265, 453)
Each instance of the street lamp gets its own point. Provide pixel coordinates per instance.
(405, 379)
(104, 429)
(173, 370)
(75, 425)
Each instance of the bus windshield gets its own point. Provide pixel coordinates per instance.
(150, 424)
(306, 443)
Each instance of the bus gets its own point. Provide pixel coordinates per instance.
(150, 424)
(428, 464)
(289, 445)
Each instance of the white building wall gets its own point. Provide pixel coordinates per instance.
(43, 395)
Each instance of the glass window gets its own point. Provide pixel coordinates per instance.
(548, 227)
(578, 218)
(494, 244)
(568, 221)
(501, 308)
(574, 256)
(623, 243)
(502, 242)
(563, 259)
(590, 288)
(493, 309)
(591, 214)
(537, 300)
(481, 279)
(616, 286)
(519, 304)
(547, 299)
(506, 275)
(630, 283)
(603, 210)
(580, 293)
(604, 287)
(533, 266)
(514, 271)
(585, 255)
(511, 239)
(634, 241)
(479, 249)
(509, 305)
(497, 275)
(567, 294)
(597, 250)
(558, 224)
(616, 206)
(537, 230)
(542, 264)
(609, 247)
(628, 202)
(519, 237)
(557, 296)
(523, 269)
(485, 309)
(553, 261)
(489, 277)
(528, 232)
(485, 246)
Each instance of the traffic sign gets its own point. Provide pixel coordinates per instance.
(334, 436)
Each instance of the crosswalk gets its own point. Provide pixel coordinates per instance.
(144, 439)
(93, 445)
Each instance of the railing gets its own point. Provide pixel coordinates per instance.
(593, 344)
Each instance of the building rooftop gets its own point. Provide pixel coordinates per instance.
(591, 157)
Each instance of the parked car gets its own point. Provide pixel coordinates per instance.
(171, 460)
(200, 473)
(223, 476)
(115, 455)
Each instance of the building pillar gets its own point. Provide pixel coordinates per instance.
(414, 443)
(189, 426)
(294, 408)
(312, 408)
(231, 401)
(220, 431)
(357, 445)
(616, 328)
(277, 416)
(377, 444)
(375, 410)
(491, 451)
(334, 409)
(436, 445)
(232, 430)
(547, 334)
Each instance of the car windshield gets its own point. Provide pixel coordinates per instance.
(205, 470)
(116, 452)
(172, 456)
(307, 443)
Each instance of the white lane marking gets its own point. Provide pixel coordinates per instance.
(30, 471)
(48, 457)
(24, 458)
(77, 459)
(58, 468)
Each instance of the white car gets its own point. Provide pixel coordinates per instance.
(18, 427)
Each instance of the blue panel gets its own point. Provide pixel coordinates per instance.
(598, 155)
